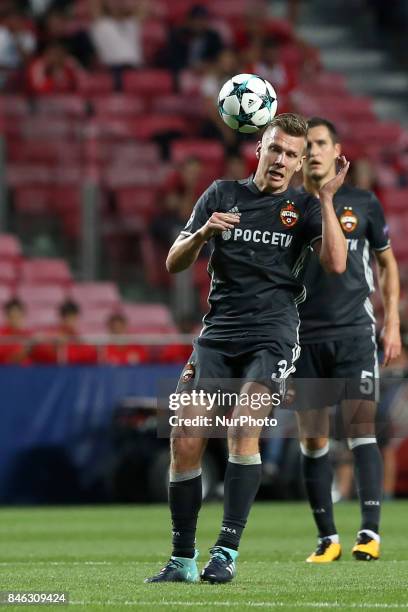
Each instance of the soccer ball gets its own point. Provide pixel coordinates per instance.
(247, 103)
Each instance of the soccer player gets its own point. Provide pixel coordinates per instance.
(260, 230)
(337, 336)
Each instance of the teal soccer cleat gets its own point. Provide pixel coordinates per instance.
(178, 569)
(221, 566)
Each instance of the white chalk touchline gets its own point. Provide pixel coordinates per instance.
(249, 604)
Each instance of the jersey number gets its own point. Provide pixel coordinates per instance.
(282, 367)
(367, 382)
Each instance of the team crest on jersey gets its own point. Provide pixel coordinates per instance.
(289, 214)
(348, 219)
(188, 372)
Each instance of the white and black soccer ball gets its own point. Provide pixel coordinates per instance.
(247, 103)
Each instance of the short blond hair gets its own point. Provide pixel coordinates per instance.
(290, 123)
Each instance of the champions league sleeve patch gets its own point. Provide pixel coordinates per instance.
(289, 214)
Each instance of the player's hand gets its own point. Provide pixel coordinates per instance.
(330, 188)
(219, 222)
(391, 339)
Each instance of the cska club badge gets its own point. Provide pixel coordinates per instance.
(188, 372)
(348, 219)
(288, 214)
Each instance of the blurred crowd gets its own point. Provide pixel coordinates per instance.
(64, 343)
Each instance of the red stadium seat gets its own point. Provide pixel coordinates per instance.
(5, 294)
(8, 273)
(154, 125)
(45, 272)
(136, 203)
(96, 294)
(395, 200)
(68, 105)
(149, 318)
(96, 84)
(130, 176)
(118, 105)
(14, 107)
(37, 295)
(178, 104)
(206, 150)
(10, 248)
(94, 318)
(40, 317)
(36, 151)
(148, 82)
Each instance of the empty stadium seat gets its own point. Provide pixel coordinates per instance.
(69, 105)
(40, 317)
(10, 248)
(206, 150)
(8, 273)
(136, 203)
(118, 105)
(96, 83)
(46, 271)
(148, 82)
(96, 294)
(6, 294)
(37, 295)
(149, 318)
(395, 200)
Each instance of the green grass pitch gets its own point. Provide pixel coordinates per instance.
(101, 555)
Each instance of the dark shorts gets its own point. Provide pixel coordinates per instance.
(329, 372)
(223, 364)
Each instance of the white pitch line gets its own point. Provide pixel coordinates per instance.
(249, 604)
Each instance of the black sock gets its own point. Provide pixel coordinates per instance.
(368, 474)
(185, 502)
(317, 473)
(241, 484)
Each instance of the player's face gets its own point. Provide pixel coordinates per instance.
(321, 153)
(280, 156)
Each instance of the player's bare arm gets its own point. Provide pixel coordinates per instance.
(390, 290)
(185, 250)
(332, 248)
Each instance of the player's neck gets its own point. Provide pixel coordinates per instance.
(263, 187)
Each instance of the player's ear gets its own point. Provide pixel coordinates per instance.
(258, 149)
(300, 163)
(337, 149)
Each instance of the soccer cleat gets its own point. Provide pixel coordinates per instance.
(366, 548)
(326, 552)
(221, 566)
(178, 569)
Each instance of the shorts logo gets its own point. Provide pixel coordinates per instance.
(226, 234)
(188, 372)
(348, 219)
(288, 214)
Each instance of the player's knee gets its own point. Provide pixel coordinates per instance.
(311, 446)
(243, 446)
(186, 453)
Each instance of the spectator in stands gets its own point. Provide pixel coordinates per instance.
(19, 351)
(235, 168)
(269, 66)
(117, 34)
(121, 352)
(78, 44)
(71, 350)
(17, 43)
(53, 72)
(194, 44)
(177, 199)
(220, 71)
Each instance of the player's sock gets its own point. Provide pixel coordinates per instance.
(317, 473)
(185, 497)
(368, 474)
(241, 484)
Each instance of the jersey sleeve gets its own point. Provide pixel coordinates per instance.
(377, 231)
(313, 221)
(202, 211)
